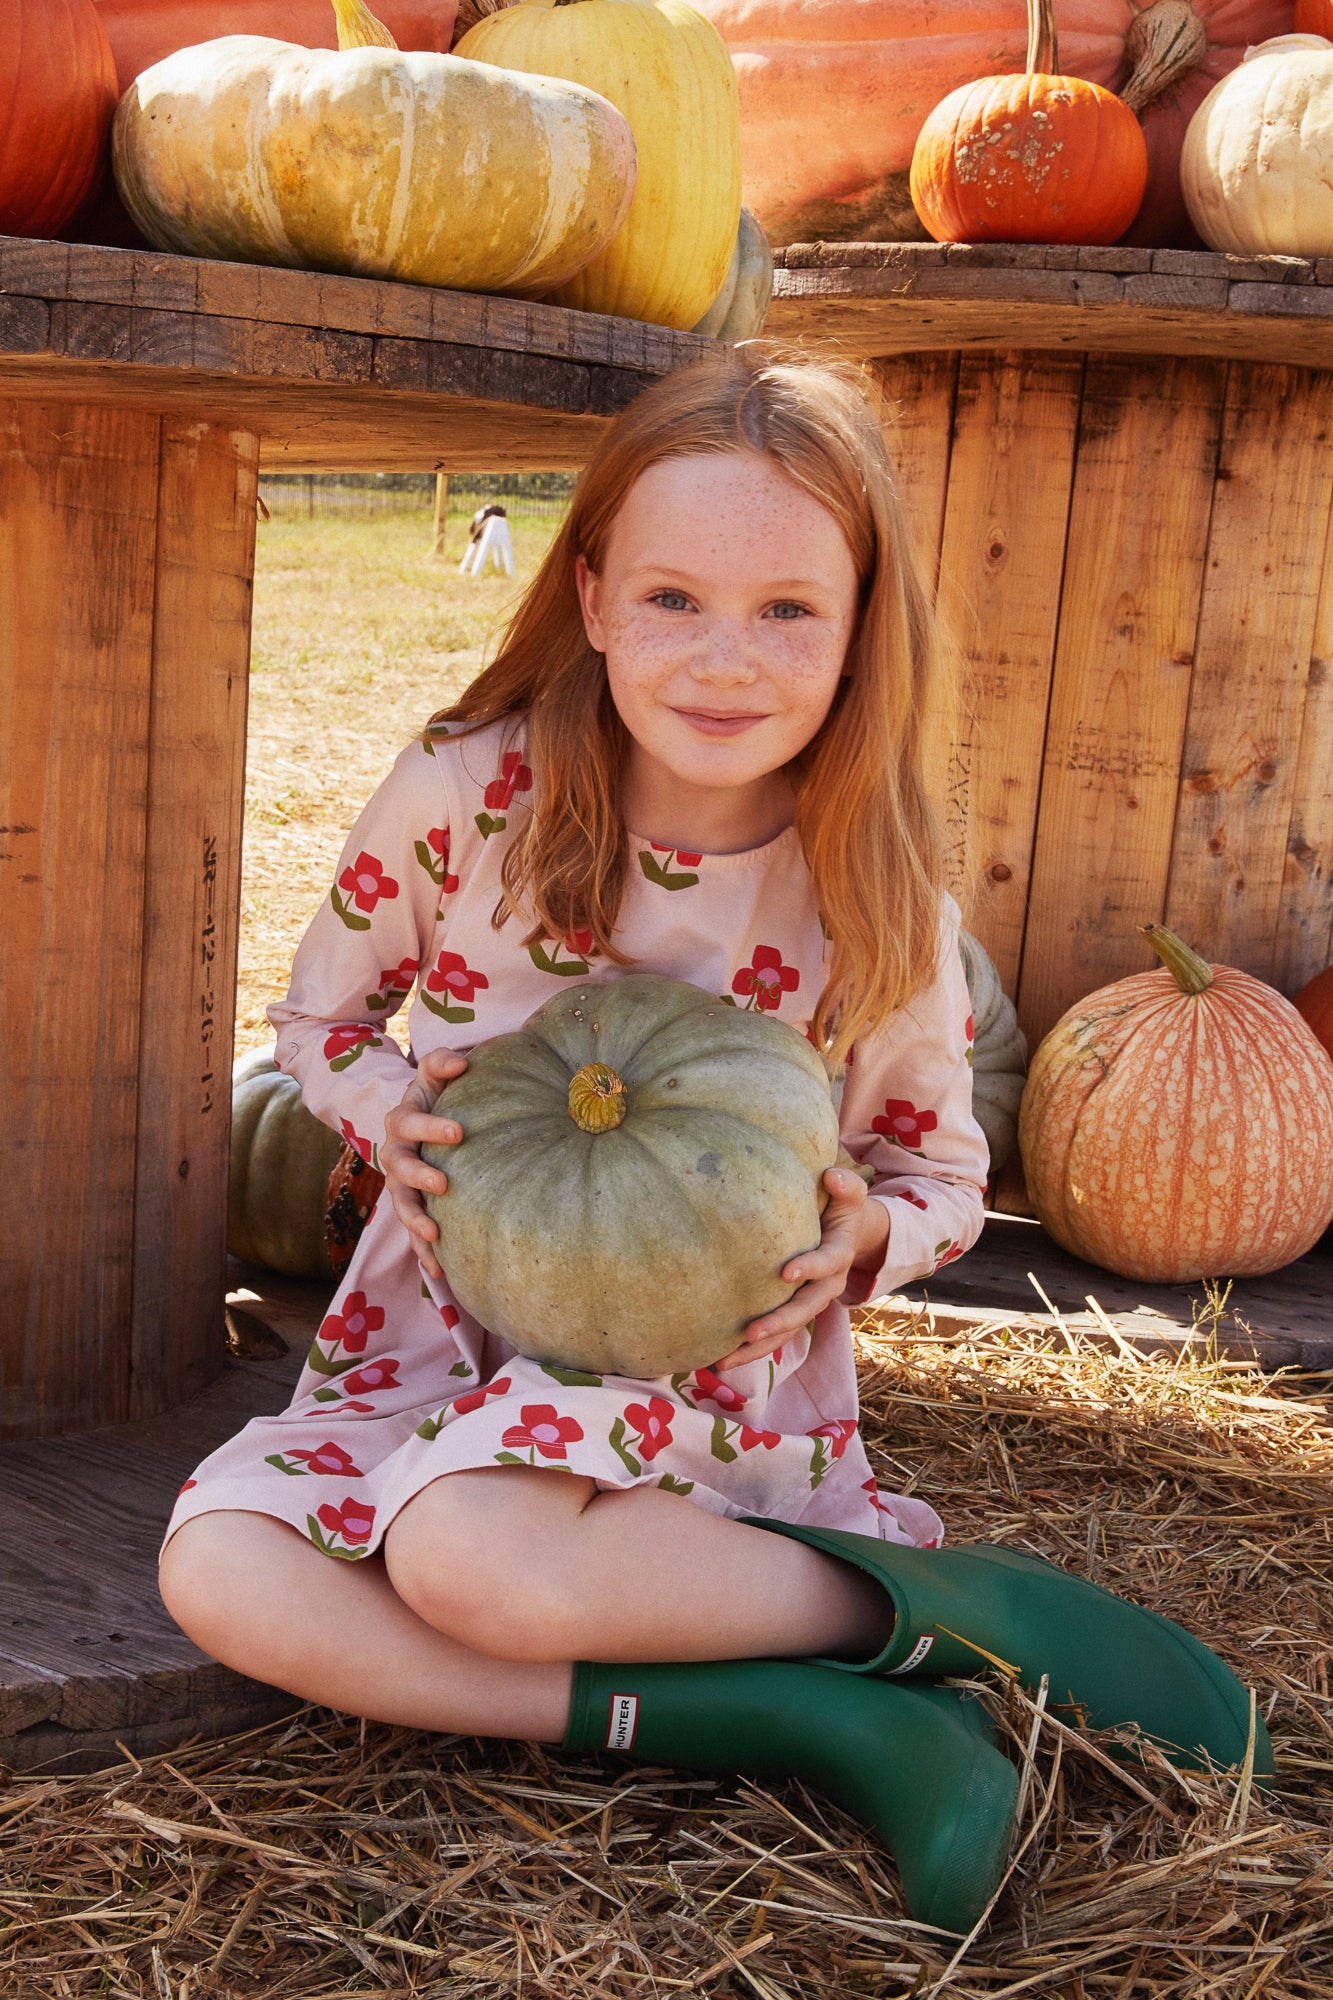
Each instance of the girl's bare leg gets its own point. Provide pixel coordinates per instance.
(535, 1565)
(258, 1596)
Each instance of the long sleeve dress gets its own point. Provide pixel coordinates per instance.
(401, 1385)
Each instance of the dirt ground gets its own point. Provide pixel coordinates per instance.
(359, 635)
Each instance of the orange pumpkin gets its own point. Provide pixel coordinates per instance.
(57, 94)
(1037, 158)
(1179, 1124)
(141, 32)
(1314, 17)
(833, 96)
(1314, 1003)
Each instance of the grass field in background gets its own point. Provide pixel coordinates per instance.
(359, 635)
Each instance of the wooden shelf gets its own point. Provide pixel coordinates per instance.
(333, 373)
(897, 298)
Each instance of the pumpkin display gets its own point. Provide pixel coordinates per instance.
(664, 66)
(141, 32)
(999, 1053)
(833, 96)
(1314, 1004)
(1256, 170)
(281, 1160)
(1314, 17)
(741, 307)
(1034, 158)
(638, 1162)
(1178, 1124)
(382, 162)
(57, 94)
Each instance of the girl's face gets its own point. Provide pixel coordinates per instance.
(725, 606)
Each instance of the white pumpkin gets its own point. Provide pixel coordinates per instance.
(999, 1053)
(1256, 169)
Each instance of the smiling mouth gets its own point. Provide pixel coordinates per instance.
(719, 721)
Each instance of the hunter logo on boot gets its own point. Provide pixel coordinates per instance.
(917, 1654)
(624, 1721)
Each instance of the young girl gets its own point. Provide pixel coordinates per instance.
(698, 753)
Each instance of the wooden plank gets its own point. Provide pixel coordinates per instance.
(196, 766)
(1010, 473)
(1305, 932)
(78, 491)
(1143, 487)
(1251, 663)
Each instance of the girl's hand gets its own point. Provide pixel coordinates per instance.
(408, 1127)
(854, 1232)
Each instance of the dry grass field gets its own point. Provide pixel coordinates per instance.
(359, 635)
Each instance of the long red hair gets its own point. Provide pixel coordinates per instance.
(866, 825)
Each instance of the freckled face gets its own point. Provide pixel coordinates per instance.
(725, 605)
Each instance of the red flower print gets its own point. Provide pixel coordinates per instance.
(186, 1488)
(452, 975)
(394, 982)
(350, 1327)
(375, 1375)
(751, 1439)
(838, 1430)
(347, 1037)
(653, 1424)
(946, 1252)
(969, 1028)
(474, 1398)
(353, 1521)
(366, 882)
(449, 1314)
(710, 1388)
(902, 1124)
(579, 941)
(543, 1430)
(331, 1459)
(438, 842)
(514, 777)
(766, 979)
(905, 1194)
(685, 859)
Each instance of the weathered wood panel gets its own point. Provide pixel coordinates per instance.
(1305, 931)
(196, 784)
(1001, 567)
(1251, 663)
(1143, 487)
(78, 495)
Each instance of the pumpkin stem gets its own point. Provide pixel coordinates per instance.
(1043, 54)
(1191, 973)
(596, 1098)
(358, 27)
(1164, 43)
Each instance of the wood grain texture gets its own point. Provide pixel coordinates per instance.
(1002, 563)
(1251, 663)
(1305, 932)
(78, 492)
(196, 770)
(1143, 486)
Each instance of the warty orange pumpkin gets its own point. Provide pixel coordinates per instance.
(1178, 1124)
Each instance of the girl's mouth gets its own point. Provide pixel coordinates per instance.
(719, 722)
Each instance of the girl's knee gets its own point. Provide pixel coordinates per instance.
(210, 1574)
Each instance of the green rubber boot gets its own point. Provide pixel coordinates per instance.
(1113, 1662)
(917, 1765)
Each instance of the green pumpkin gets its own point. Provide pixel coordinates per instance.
(639, 1161)
(999, 1053)
(281, 1159)
(741, 307)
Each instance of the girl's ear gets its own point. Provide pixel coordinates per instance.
(589, 586)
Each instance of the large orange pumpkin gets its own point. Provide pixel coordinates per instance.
(1035, 158)
(57, 94)
(833, 95)
(1179, 1124)
(1314, 17)
(1314, 1004)
(141, 32)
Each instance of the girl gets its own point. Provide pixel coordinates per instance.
(697, 753)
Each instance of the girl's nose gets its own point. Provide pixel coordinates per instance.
(726, 652)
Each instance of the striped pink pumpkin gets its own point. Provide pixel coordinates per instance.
(1179, 1124)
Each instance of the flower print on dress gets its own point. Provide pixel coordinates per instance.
(545, 955)
(455, 978)
(648, 1425)
(969, 1030)
(765, 979)
(514, 777)
(462, 1406)
(838, 1431)
(395, 983)
(728, 1441)
(361, 1147)
(945, 1253)
(353, 1522)
(683, 876)
(905, 1194)
(902, 1124)
(329, 1459)
(364, 884)
(433, 855)
(373, 1375)
(542, 1430)
(346, 1043)
(710, 1388)
(349, 1328)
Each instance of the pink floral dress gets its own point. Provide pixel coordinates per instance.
(401, 1385)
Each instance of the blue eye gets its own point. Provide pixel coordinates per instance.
(787, 610)
(671, 600)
